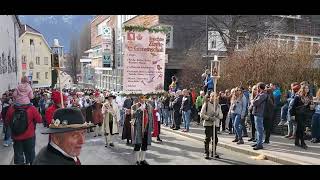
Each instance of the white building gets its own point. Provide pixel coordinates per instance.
(9, 52)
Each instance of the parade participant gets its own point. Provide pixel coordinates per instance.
(89, 109)
(209, 114)
(56, 98)
(126, 132)
(97, 116)
(156, 117)
(111, 118)
(67, 137)
(142, 126)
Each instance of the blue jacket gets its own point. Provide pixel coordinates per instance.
(209, 80)
(277, 96)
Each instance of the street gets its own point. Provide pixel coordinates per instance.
(174, 150)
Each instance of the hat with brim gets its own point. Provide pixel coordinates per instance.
(67, 120)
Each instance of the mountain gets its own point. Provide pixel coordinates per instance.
(61, 27)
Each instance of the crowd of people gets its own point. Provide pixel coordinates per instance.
(139, 118)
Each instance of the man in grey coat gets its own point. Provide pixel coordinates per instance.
(258, 104)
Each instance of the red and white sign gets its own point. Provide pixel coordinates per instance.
(144, 62)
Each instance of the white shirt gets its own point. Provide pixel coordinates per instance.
(62, 151)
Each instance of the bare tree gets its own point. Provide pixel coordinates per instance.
(78, 45)
(268, 62)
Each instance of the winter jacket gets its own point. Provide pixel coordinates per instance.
(23, 93)
(277, 96)
(208, 114)
(258, 104)
(209, 82)
(49, 113)
(33, 118)
(199, 102)
(186, 104)
(176, 104)
(239, 107)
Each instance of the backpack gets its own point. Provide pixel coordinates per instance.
(19, 123)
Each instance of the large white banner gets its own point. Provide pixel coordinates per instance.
(144, 62)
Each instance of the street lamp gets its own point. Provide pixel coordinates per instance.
(215, 74)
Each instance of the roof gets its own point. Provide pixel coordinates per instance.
(28, 29)
(18, 21)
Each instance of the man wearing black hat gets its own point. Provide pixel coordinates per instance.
(111, 118)
(67, 131)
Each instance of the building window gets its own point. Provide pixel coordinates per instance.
(31, 65)
(290, 16)
(215, 41)
(101, 25)
(241, 41)
(31, 42)
(45, 60)
(46, 75)
(38, 75)
(37, 60)
(24, 60)
(169, 35)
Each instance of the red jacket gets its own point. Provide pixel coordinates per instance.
(33, 118)
(49, 113)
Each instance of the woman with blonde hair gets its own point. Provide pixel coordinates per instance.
(211, 114)
(300, 106)
(237, 112)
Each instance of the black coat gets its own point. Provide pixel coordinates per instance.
(50, 156)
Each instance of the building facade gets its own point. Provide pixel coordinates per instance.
(35, 57)
(9, 52)
(106, 52)
(189, 32)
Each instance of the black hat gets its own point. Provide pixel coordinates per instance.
(67, 119)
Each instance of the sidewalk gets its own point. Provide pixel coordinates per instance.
(6, 153)
(280, 149)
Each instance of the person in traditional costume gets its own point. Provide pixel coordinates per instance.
(111, 118)
(56, 99)
(89, 109)
(97, 116)
(67, 136)
(156, 118)
(126, 132)
(142, 126)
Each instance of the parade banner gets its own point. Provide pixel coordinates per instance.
(144, 62)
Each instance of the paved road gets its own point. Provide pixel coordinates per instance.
(174, 150)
